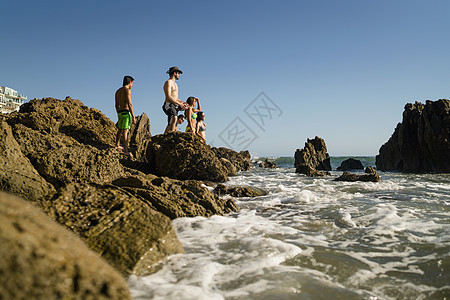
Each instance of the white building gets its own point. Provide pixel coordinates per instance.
(10, 100)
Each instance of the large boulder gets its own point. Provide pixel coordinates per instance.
(241, 160)
(184, 156)
(128, 232)
(60, 159)
(17, 174)
(314, 155)
(70, 117)
(421, 143)
(40, 259)
(351, 164)
(176, 198)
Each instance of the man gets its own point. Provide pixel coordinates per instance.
(180, 121)
(124, 109)
(172, 104)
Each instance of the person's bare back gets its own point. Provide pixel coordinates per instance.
(123, 99)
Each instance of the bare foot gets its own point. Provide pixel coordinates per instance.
(118, 148)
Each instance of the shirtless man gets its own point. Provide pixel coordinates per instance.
(124, 109)
(172, 104)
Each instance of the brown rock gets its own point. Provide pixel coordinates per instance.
(370, 170)
(421, 143)
(346, 176)
(184, 156)
(140, 137)
(268, 164)
(116, 224)
(61, 159)
(176, 198)
(239, 191)
(310, 171)
(313, 155)
(17, 174)
(39, 259)
(232, 170)
(241, 160)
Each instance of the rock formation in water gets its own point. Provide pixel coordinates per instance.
(347, 176)
(268, 164)
(40, 259)
(350, 164)
(312, 157)
(241, 160)
(239, 191)
(60, 156)
(421, 142)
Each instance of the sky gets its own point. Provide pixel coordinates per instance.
(269, 74)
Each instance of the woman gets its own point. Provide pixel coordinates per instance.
(191, 113)
(200, 128)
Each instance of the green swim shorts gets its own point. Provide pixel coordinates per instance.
(124, 119)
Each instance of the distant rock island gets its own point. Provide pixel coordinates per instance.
(421, 142)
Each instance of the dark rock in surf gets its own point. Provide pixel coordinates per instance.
(268, 164)
(350, 164)
(346, 176)
(313, 156)
(239, 191)
(421, 143)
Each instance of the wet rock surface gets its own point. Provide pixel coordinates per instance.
(421, 142)
(40, 259)
(347, 176)
(239, 191)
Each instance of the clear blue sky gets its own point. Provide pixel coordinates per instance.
(341, 70)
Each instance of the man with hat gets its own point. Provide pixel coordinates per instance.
(172, 104)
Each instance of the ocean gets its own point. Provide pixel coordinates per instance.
(314, 238)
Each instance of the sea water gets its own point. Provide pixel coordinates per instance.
(315, 238)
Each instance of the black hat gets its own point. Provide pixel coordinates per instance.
(173, 70)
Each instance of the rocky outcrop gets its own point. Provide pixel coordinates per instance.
(370, 170)
(310, 171)
(40, 259)
(268, 164)
(17, 174)
(115, 223)
(313, 156)
(184, 156)
(59, 154)
(176, 198)
(350, 164)
(241, 160)
(347, 176)
(421, 143)
(140, 136)
(239, 191)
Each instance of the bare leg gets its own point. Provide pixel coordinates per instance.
(172, 124)
(118, 136)
(125, 140)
